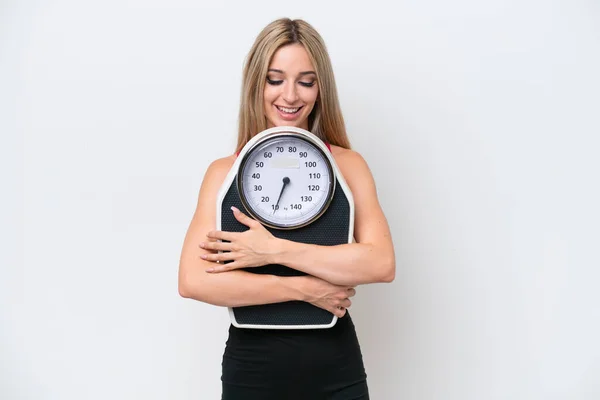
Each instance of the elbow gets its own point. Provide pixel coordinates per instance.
(388, 277)
(183, 288)
(388, 271)
(191, 287)
(184, 285)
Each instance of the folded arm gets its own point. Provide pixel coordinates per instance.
(371, 259)
(238, 288)
(242, 288)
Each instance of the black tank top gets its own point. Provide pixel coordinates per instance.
(303, 364)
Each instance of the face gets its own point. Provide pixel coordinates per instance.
(291, 88)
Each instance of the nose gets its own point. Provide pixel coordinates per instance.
(289, 93)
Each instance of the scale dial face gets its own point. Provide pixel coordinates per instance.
(286, 181)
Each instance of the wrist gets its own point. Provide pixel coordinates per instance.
(295, 286)
(277, 253)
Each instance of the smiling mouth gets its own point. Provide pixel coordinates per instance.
(289, 110)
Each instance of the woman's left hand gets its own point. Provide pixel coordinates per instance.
(251, 248)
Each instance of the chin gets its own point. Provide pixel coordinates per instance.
(290, 123)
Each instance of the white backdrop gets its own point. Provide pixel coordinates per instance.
(480, 124)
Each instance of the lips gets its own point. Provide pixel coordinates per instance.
(288, 113)
(288, 110)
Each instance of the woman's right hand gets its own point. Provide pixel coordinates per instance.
(325, 295)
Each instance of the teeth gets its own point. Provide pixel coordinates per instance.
(288, 110)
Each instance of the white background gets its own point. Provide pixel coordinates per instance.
(479, 121)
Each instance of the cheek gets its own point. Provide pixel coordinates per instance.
(310, 97)
(270, 94)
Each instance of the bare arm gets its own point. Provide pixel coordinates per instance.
(238, 288)
(370, 260)
(241, 288)
(347, 264)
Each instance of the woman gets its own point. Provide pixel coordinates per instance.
(288, 81)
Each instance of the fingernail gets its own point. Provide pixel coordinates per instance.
(203, 256)
(234, 209)
(210, 270)
(201, 245)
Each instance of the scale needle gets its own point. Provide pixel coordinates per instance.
(286, 180)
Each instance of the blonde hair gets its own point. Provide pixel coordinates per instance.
(326, 120)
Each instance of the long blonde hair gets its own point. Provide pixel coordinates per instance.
(326, 120)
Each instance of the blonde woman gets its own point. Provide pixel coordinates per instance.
(288, 81)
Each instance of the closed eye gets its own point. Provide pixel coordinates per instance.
(274, 83)
(279, 82)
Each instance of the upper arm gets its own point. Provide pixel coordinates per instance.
(203, 220)
(370, 223)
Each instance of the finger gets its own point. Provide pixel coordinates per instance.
(214, 245)
(339, 312)
(346, 303)
(222, 235)
(243, 218)
(220, 257)
(342, 295)
(223, 268)
(351, 292)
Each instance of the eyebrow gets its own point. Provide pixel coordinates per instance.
(301, 73)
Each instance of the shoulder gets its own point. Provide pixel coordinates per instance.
(216, 172)
(349, 160)
(355, 170)
(220, 167)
